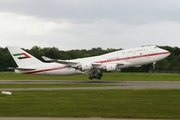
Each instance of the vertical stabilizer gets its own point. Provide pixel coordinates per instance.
(22, 58)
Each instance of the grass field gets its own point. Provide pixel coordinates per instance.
(147, 103)
(107, 76)
(105, 103)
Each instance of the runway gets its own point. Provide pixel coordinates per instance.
(114, 85)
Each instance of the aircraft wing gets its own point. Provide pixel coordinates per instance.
(121, 64)
(65, 62)
(96, 65)
(76, 64)
(124, 63)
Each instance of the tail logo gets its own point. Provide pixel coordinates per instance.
(21, 55)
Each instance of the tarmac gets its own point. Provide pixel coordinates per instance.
(115, 85)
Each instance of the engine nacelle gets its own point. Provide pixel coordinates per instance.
(111, 67)
(87, 66)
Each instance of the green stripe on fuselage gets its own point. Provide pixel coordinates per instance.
(18, 54)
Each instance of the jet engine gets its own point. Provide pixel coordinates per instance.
(87, 66)
(111, 67)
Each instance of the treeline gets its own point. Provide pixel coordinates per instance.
(171, 63)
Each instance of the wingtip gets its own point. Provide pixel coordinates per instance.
(46, 58)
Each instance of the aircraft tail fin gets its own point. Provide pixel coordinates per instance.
(22, 58)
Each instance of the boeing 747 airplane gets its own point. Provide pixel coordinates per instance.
(93, 66)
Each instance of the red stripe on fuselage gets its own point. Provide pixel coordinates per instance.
(132, 57)
(45, 70)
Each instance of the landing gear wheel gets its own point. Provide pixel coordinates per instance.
(99, 75)
(92, 76)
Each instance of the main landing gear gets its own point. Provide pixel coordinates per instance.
(95, 76)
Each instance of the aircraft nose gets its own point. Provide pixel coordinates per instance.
(166, 52)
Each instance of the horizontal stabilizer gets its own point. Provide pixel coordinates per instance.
(17, 68)
(48, 59)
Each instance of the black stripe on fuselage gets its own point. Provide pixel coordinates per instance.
(22, 58)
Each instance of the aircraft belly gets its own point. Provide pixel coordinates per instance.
(66, 71)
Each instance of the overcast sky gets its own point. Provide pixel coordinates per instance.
(86, 24)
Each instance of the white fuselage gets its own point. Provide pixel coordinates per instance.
(128, 58)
